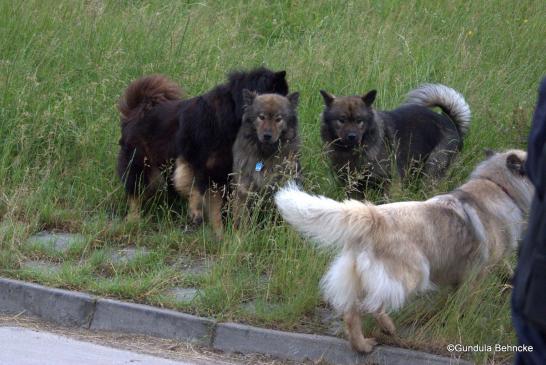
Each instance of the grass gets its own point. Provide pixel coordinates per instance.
(64, 64)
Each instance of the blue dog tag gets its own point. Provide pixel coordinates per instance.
(259, 166)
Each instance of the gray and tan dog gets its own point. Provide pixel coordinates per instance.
(265, 152)
(393, 250)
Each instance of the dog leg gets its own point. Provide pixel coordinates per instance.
(134, 209)
(385, 322)
(239, 206)
(237, 212)
(183, 179)
(440, 158)
(214, 209)
(196, 208)
(353, 328)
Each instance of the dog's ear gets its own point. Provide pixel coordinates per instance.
(488, 152)
(294, 99)
(515, 164)
(281, 75)
(248, 97)
(328, 98)
(369, 98)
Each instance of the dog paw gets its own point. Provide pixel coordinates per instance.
(365, 345)
(132, 217)
(389, 329)
(194, 225)
(386, 324)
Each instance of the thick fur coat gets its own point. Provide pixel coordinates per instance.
(147, 147)
(207, 128)
(363, 143)
(391, 251)
(265, 152)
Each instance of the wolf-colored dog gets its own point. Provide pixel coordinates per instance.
(366, 145)
(265, 152)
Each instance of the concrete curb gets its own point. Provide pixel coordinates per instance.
(234, 337)
(112, 315)
(71, 308)
(67, 308)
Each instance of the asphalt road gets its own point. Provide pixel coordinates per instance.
(22, 346)
(30, 341)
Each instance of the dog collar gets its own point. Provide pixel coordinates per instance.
(259, 166)
(504, 190)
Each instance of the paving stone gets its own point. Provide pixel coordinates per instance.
(193, 266)
(112, 315)
(68, 308)
(127, 254)
(41, 265)
(185, 295)
(58, 241)
(252, 306)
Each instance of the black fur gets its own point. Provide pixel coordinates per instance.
(208, 124)
(362, 143)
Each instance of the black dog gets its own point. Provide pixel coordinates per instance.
(362, 141)
(208, 126)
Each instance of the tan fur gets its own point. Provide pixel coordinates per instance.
(134, 209)
(214, 211)
(211, 202)
(183, 177)
(399, 249)
(408, 235)
(353, 329)
(183, 182)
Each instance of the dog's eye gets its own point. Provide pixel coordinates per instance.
(278, 119)
(261, 117)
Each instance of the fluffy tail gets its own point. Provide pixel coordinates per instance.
(450, 101)
(329, 222)
(143, 94)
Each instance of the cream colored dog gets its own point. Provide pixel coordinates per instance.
(390, 251)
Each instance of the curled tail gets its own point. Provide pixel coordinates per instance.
(329, 222)
(450, 101)
(143, 94)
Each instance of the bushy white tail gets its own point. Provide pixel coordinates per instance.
(444, 97)
(327, 221)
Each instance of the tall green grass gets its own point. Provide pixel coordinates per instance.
(64, 64)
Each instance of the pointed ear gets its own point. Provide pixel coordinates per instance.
(294, 99)
(488, 152)
(369, 98)
(280, 75)
(515, 164)
(248, 97)
(328, 98)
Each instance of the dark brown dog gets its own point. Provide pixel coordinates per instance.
(148, 124)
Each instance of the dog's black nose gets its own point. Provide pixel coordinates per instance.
(267, 137)
(351, 137)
